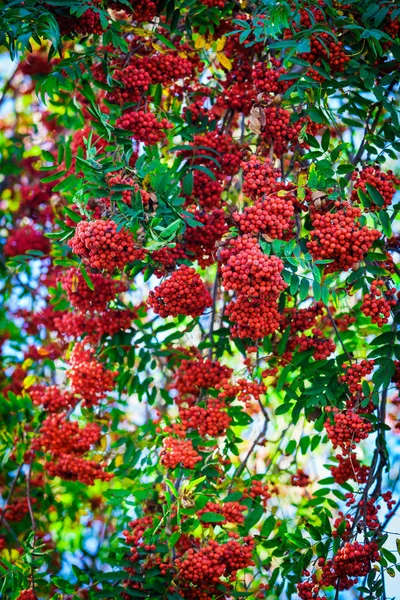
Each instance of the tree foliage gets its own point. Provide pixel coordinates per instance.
(199, 317)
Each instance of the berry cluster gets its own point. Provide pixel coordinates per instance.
(51, 398)
(74, 468)
(60, 436)
(260, 177)
(212, 421)
(300, 479)
(232, 511)
(206, 191)
(134, 82)
(378, 304)
(338, 236)
(205, 567)
(200, 242)
(166, 68)
(101, 246)
(354, 375)
(20, 241)
(144, 126)
(271, 216)
(81, 296)
(279, 132)
(89, 379)
(267, 80)
(27, 595)
(183, 293)
(349, 467)
(176, 451)
(193, 376)
(249, 272)
(385, 183)
(347, 429)
(92, 328)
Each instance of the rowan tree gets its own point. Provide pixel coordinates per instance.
(200, 306)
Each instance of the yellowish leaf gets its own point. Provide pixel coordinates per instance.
(200, 42)
(29, 381)
(224, 61)
(221, 44)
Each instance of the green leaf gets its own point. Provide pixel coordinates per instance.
(211, 517)
(376, 196)
(86, 278)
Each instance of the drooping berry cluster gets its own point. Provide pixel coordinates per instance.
(260, 177)
(355, 373)
(232, 511)
(145, 126)
(86, 299)
(20, 241)
(101, 246)
(51, 398)
(183, 293)
(347, 429)
(89, 379)
(338, 236)
(176, 451)
(271, 216)
(385, 183)
(349, 467)
(76, 468)
(378, 303)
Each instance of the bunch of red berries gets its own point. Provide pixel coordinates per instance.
(247, 271)
(260, 177)
(301, 319)
(378, 303)
(92, 328)
(20, 241)
(213, 3)
(87, 24)
(212, 421)
(300, 479)
(205, 567)
(82, 297)
(258, 489)
(27, 595)
(349, 467)
(193, 376)
(347, 429)
(144, 126)
(166, 68)
(232, 511)
(183, 293)
(119, 179)
(88, 376)
(279, 132)
(266, 78)
(227, 152)
(177, 451)
(385, 183)
(51, 398)
(200, 242)
(355, 373)
(322, 346)
(135, 81)
(206, 191)
(253, 318)
(16, 510)
(74, 468)
(101, 246)
(354, 559)
(271, 215)
(338, 236)
(60, 436)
